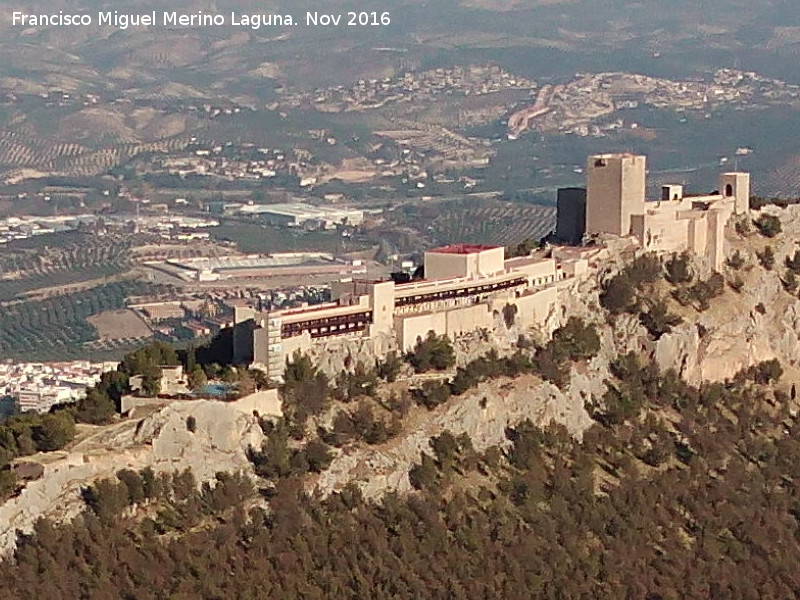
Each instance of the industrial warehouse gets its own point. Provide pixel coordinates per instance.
(297, 214)
(258, 266)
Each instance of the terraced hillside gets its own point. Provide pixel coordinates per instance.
(48, 292)
(57, 157)
(55, 328)
(51, 135)
(81, 101)
(82, 260)
(493, 222)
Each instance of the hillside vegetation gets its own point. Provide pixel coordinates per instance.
(676, 492)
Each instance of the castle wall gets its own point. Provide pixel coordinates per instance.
(539, 272)
(737, 187)
(533, 309)
(615, 205)
(266, 403)
(491, 261)
(463, 320)
(244, 324)
(575, 267)
(300, 343)
(698, 234)
(715, 245)
(243, 342)
(449, 266)
(382, 305)
(128, 403)
(261, 349)
(571, 215)
(663, 231)
(412, 328)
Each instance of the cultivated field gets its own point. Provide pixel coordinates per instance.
(57, 326)
(486, 222)
(83, 259)
(119, 325)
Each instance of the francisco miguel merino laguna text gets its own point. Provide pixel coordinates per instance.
(198, 19)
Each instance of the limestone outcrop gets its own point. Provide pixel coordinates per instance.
(740, 330)
(484, 414)
(337, 354)
(163, 441)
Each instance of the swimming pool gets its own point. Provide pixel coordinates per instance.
(217, 390)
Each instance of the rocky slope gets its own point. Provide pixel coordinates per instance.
(739, 330)
(485, 412)
(162, 441)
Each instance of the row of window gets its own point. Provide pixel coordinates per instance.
(459, 293)
(328, 326)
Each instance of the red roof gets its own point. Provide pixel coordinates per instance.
(463, 249)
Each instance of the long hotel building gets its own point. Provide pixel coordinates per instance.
(466, 287)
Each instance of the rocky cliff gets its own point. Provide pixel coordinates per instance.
(161, 440)
(488, 410)
(741, 329)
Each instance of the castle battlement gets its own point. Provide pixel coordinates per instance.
(616, 204)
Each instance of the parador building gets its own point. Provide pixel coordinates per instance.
(466, 287)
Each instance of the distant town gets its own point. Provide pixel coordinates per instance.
(40, 386)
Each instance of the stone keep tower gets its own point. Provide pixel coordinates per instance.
(615, 190)
(736, 186)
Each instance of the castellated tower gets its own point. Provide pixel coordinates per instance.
(736, 186)
(615, 190)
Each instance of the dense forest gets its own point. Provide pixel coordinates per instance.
(675, 492)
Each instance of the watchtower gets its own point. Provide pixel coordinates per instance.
(615, 190)
(736, 186)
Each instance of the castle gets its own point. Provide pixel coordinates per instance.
(469, 287)
(615, 204)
